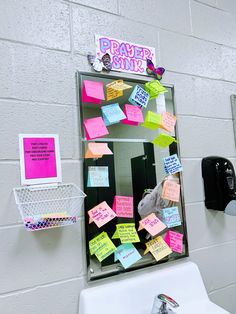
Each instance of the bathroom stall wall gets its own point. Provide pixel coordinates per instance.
(42, 44)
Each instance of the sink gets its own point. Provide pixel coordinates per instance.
(135, 293)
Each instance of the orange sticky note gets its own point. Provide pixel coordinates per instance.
(152, 224)
(101, 214)
(171, 190)
(97, 150)
(168, 121)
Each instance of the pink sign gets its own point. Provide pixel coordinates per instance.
(133, 114)
(92, 92)
(101, 214)
(175, 241)
(123, 206)
(125, 56)
(94, 128)
(152, 224)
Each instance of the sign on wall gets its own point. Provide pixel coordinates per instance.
(125, 56)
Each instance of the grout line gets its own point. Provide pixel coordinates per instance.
(222, 288)
(209, 5)
(190, 15)
(34, 102)
(203, 117)
(213, 246)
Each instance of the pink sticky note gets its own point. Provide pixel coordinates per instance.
(152, 224)
(101, 214)
(94, 128)
(175, 241)
(39, 164)
(92, 92)
(168, 121)
(171, 191)
(123, 206)
(133, 114)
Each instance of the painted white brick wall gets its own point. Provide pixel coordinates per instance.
(42, 44)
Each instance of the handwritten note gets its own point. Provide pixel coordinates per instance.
(123, 206)
(119, 85)
(97, 150)
(154, 88)
(101, 214)
(175, 241)
(164, 140)
(94, 128)
(139, 97)
(171, 216)
(168, 121)
(98, 176)
(171, 190)
(158, 248)
(127, 255)
(112, 114)
(101, 246)
(127, 233)
(161, 103)
(112, 93)
(152, 224)
(152, 120)
(172, 164)
(133, 114)
(92, 92)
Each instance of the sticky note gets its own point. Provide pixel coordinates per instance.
(101, 214)
(171, 191)
(112, 93)
(152, 120)
(127, 233)
(139, 97)
(97, 150)
(123, 206)
(168, 121)
(119, 85)
(133, 114)
(127, 254)
(175, 241)
(112, 114)
(98, 176)
(172, 164)
(154, 88)
(92, 92)
(94, 128)
(158, 248)
(163, 140)
(152, 224)
(161, 103)
(101, 246)
(171, 216)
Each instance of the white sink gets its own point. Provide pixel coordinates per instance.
(135, 294)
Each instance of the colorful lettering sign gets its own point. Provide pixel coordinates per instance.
(158, 248)
(101, 214)
(171, 216)
(133, 114)
(127, 233)
(139, 97)
(101, 246)
(98, 176)
(171, 191)
(175, 241)
(172, 164)
(94, 128)
(152, 224)
(112, 114)
(123, 206)
(127, 255)
(92, 92)
(125, 56)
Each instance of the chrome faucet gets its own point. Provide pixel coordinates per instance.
(162, 309)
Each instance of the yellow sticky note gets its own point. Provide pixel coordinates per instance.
(119, 85)
(164, 140)
(112, 93)
(127, 233)
(116, 235)
(55, 215)
(158, 248)
(152, 120)
(101, 246)
(154, 88)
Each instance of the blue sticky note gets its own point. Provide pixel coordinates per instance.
(98, 176)
(139, 97)
(171, 216)
(127, 254)
(112, 114)
(172, 164)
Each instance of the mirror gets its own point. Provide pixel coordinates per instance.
(134, 168)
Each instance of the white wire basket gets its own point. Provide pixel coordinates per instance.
(49, 205)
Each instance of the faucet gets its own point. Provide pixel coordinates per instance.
(157, 309)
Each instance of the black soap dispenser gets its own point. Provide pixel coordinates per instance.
(219, 184)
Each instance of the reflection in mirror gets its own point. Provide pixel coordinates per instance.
(136, 171)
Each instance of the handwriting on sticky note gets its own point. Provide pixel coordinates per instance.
(164, 140)
(97, 150)
(139, 97)
(123, 206)
(171, 191)
(101, 214)
(113, 93)
(98, 176)
(127, 254)
(158, 248)
(119, 85)
(171, 216)
(154, 88)
(152, 224)
(175, 241)
(94, 128)
(172, 164)
(168, 121)
(112, 114)
(92, 92)
(133, 113)
(127, 233)
(152, 120)
(101, 246)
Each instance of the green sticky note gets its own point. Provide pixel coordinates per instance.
(127, 233)
(152, 120)
(101, 246)
(116, 235)
(164, 140)
(154, 88)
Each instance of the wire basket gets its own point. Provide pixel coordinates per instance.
(49, 206)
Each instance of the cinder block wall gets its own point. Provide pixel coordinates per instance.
(42, 44)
